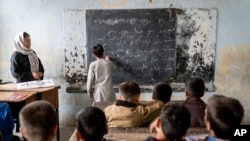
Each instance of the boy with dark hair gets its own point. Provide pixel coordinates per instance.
(127, 111)
(38, 121)
(98, 50)
(162, 91)
(194, 90)
(99, 81)
(91, 124)
(172, 124)
(223, 114)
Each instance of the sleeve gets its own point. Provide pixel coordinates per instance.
(90, 79)
(151, 110)
(16, 62)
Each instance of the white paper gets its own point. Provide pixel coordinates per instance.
(35, 84)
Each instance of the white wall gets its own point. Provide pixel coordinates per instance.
(43, 19)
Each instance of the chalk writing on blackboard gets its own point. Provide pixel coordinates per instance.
(141, 42)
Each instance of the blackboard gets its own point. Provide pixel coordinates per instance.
(141, 42)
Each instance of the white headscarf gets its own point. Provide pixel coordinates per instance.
(19, 46)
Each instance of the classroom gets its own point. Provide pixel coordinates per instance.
(60, 37)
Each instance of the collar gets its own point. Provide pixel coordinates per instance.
(125, 104)
(193, 99)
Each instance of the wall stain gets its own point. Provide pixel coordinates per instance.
(194, 56)
(232, 77)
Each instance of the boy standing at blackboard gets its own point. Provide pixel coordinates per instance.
(99, 81)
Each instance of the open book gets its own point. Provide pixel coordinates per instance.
(35, 84)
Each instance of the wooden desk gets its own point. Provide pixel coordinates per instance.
(49, 94)
(26, 97)
(137, 134)
(16, 101)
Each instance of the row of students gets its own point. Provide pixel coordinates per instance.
(222, 115)
(127, 111)
(38, 121)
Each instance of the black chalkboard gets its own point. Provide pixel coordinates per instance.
(141, 42)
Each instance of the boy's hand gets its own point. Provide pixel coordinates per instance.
(152, 126)
(108, 58)
(90, 95)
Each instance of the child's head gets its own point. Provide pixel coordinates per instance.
(173, 122)
(98, 51)
(38, 121)
(162, 91)
(91, 124)
(195, 87)
(129, 91)
(222, 115)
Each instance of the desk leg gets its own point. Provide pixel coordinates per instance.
(15, 109)
(39, 96)
(58, 130)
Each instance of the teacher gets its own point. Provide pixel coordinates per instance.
(25, 65)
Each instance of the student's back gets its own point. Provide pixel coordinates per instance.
(223, 114)
(194, 89)
(172, 124)
(91, 124)
(128, 112)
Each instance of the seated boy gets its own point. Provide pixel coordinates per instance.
(172, 124)
(91, 124)
(128, 112)
(194, 90)
(222, 115)
(38, 121)
(162, 91)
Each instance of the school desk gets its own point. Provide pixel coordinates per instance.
(16, 101)
(49, 94)
(44, 93)
(20, 96)
(138, 133)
